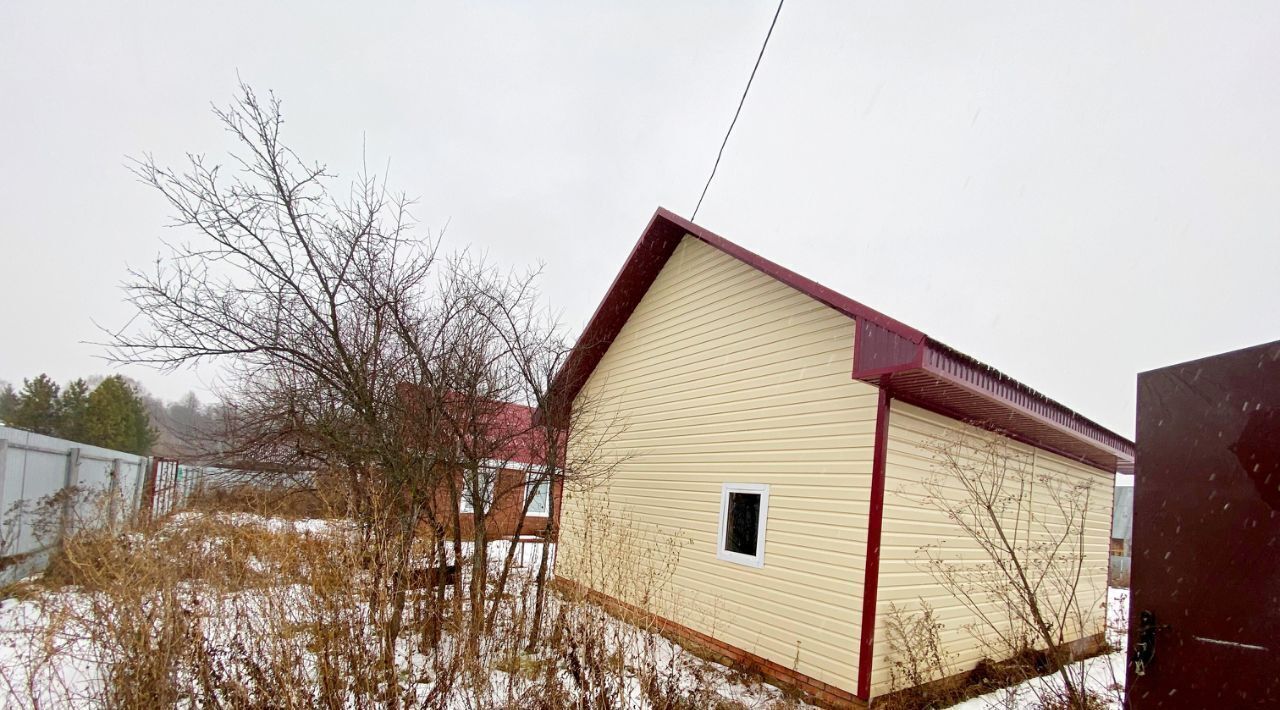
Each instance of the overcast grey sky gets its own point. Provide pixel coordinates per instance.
(1072, 192)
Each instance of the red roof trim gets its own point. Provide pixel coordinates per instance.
(970, 374)
(883, 345)
(644, 262)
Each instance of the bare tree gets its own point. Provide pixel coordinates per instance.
(359, 359)
(350, 346)
(538, 353)
(1026, 590)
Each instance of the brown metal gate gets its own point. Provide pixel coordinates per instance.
(1205, 606)
(164, 486)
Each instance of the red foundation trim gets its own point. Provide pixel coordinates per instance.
(813, 690)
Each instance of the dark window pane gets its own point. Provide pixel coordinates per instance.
(742, 528)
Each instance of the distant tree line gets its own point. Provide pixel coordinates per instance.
(113, 414)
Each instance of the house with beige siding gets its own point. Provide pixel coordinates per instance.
(768, 439)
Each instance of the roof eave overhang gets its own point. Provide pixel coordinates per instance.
(932, 375)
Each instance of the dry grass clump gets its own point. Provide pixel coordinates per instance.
(185, 610)
(219, 609)
(923, 674)
(918, 664)
(222, 552)
(279, 501)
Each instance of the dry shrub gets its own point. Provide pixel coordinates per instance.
(279, 500)
(238, 610)
(351, 345)
(1030, 591)
(678, 684)
(922, 672)
(613, 662)
(221, 552)
(918, 664)
(133, 618)
(150, 607)
(616, 555)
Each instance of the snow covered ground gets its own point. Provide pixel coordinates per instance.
(62, 670)
(51, 671)
(305, 525)
(1104, 675)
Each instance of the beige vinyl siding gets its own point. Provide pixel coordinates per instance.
(908, 525)
(725, 375)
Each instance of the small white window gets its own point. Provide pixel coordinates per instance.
(538, 488)
(744, 508)
(482, 479)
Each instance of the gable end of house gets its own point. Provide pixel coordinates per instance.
(886, 353)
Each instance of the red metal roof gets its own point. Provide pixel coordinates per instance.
(512, 428)
(510, 431)
(887, 353)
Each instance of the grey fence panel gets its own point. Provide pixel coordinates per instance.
(109, 487)
(1122, 513)
(33, 469)
(1122, 529)
(33, 473)
(1120, 567)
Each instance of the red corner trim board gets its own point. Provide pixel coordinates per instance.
(875, 520)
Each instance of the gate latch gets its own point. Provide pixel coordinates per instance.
(1145, 648)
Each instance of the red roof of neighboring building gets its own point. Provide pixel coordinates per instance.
(518, 440)
(888, 353)
(511, 433)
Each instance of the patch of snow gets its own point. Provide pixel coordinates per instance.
(1105, 675)
(40, 668)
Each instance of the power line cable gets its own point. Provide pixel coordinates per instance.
(741, 101)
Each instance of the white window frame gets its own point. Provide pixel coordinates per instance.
(756, 560)
(464, 505)
(532, 481)
(496, 467)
